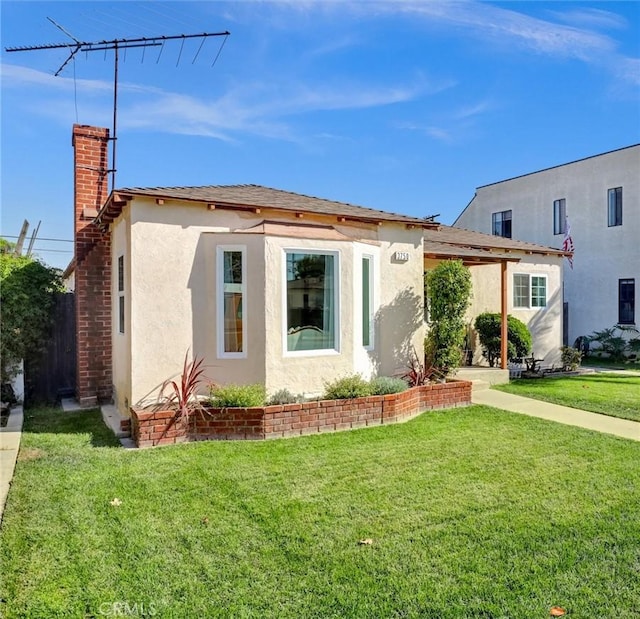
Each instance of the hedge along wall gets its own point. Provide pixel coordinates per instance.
(279, 421)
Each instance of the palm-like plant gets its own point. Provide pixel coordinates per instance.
(183, 393)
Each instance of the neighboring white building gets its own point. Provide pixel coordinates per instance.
(600, 198)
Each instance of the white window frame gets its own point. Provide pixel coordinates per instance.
(371, 259)
(530, 277)
(321, 352)
(220, 251)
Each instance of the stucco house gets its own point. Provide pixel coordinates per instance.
(599, 197)
(265, 285)
(509, 277)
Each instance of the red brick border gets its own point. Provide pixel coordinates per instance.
(267, 422)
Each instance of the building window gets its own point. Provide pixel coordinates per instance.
(501, 224)
(232, 315)
(367, 301)
(626, 301)
(615, 207)
(311, 301)
(559, 216)
(121, 294)
(529, 291)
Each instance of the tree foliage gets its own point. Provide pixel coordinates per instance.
(488, 326)
(27, 295)
(449, 291)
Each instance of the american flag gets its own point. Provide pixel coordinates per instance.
(567, 242)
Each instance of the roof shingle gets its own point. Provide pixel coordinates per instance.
(265, 197)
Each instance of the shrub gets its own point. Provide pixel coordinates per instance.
(384, 385)
(183, 394)
(27, 289)
(346, 388)
(242, 396)
(488, 326)
(571, 358)
(284, 396)
(449, 291)
(613, 342)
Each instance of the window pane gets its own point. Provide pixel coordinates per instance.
(559, 216)
(538, 291)
(501, 224)
(626, 301)
(120, 273)
(366, 301)
(232, 301)
(310, 301)
(615, 207)
(121, 314)
(521, 291)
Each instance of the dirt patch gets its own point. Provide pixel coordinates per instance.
(24, 455)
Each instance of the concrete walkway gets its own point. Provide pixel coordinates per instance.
(9, 445)
(554, 412)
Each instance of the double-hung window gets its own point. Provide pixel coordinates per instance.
(529, 291)
(559, 216)
(501, 224)
(626, 301)
(614, 216)
(311, 300)
(121, 294)
(231, 306)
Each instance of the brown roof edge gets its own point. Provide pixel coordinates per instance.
(368, 216)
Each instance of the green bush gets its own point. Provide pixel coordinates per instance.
(571, 358)
(284, 396)
(613, 341)
(384, 385)
(242, 396)
(346, 388)
(488, 326)
(27, 289)
(449, 291)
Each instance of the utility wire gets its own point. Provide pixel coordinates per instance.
(40, 238)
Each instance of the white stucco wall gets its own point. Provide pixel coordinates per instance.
(603, 254)
(171, 292)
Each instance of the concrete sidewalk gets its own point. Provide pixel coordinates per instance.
(9, 446)
(554, 412)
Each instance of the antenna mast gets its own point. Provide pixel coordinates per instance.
(116, 45)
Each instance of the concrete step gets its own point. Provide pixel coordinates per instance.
(113, 419)
(479, 385)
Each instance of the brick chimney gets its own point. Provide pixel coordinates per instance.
(93, 266)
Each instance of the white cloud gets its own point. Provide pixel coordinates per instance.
(509, 27)
(258, 108)
(17, 75)
(591, 18)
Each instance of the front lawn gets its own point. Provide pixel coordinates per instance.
(610, 394)
(470, 512)
(602, 362)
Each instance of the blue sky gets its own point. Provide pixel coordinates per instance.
(404, 106)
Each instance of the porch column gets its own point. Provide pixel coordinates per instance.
(503, 327)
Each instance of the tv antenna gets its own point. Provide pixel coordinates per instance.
(117, 45)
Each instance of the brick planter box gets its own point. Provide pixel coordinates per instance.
(279, 421)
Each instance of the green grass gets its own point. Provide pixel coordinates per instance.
(592, 361)
(473, 513)
(609, 394)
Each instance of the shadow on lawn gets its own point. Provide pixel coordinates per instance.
(49, 420)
